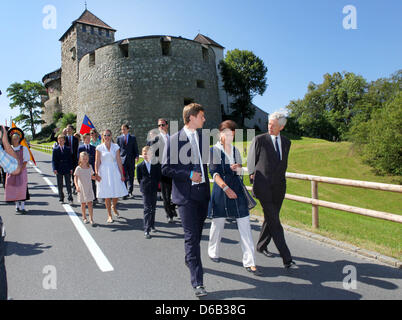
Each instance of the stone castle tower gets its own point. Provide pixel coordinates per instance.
(135, 80)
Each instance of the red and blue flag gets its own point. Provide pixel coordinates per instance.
(87, 126)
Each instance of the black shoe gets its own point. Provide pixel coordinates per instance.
(200, 291)
(125, 198)
(255, 272)
(153, 230)
(147, 235)
(17, 210)
(24, 211)
(291, 265)
(61, 200)
(266, 253)
(216, 260)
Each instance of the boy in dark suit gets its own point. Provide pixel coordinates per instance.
(149, 176)
(91, 150)
(63, 168)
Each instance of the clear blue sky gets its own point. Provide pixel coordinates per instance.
(299, 41)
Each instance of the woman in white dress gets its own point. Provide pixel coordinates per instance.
(109, 168)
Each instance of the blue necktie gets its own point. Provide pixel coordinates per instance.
(277, 149)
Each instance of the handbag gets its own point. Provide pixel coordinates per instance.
(251, 203)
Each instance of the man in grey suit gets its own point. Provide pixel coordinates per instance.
(267, 164)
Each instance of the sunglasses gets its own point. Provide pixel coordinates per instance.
(162, 125)
(107, 135)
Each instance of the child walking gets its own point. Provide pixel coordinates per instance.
(83, 176)
(149, 175)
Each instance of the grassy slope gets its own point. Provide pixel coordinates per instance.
(318, 157)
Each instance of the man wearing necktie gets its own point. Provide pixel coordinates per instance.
(183, 162)
(91, 150)
(129, 156)
(267, 163)
(72, 143)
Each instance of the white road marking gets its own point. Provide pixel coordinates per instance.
(100, 259)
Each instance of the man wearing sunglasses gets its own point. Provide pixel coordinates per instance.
(166, 183)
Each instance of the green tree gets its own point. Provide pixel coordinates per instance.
(381, 138)
(28, 97)
(244, 77)
(65, 120)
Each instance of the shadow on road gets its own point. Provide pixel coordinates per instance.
(24, 249)
(315, 272)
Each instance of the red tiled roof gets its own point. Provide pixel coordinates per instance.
(206, 40)
(90, 19)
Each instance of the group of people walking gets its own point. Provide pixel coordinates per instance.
(105, 170)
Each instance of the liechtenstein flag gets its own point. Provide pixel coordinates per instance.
(87, 126)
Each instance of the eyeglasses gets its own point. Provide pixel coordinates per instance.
(162, 125)
(107, 135)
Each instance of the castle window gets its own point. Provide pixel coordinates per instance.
(73, 53)
(92, 30)
(84, 28)
(124, 49)
(188, 101)
(166, 46)
(100, 31)
(107, 33)
(205, 54)
(201, 84)
(92, 59)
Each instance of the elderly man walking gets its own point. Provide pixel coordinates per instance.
(267, 164)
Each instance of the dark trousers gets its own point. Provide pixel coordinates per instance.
(3, 274)
(272, 229)
(166, 188)
(94, 189)
(129, 171)
(67, 179)
(193, 215)
(149, 210)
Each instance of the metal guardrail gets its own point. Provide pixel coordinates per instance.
(315, 202)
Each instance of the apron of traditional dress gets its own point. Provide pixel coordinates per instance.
(16, 186)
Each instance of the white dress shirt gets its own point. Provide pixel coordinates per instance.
(279, 143)
(189, 133)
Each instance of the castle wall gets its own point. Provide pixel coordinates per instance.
(75, 45)
(146, 85)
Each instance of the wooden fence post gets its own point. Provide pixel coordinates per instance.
(314, 196)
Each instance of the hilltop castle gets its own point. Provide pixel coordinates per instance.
(136, 80)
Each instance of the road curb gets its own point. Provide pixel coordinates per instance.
(342, 245)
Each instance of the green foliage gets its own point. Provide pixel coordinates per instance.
(382, 145)
(28, 97)
(244, 77)
(65, 120)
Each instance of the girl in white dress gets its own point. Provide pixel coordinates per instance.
(109, 168)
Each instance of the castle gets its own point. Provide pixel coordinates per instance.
(136, 80)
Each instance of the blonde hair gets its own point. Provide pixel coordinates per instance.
(103, 133)
(83, 154)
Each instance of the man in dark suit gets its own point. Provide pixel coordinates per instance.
(91, 150)
(267, 164)
(149, 176)
(157, 145)
(129, 156)
(63, 168)
(72, 143)
(184, 163)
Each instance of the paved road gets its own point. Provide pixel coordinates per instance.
(118, 263)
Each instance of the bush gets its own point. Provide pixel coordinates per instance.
(383, 137)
